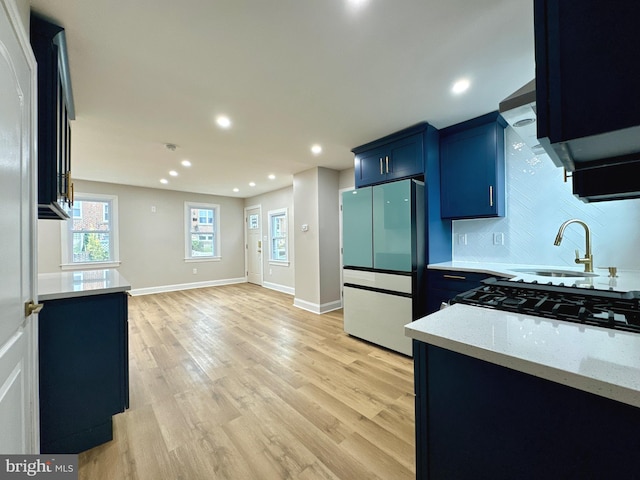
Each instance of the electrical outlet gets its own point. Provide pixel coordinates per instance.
(462, 239)
(498, 238)
(270, 271)
(195, 270)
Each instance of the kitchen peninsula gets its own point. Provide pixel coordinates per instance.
(504, 394)
(83, 358)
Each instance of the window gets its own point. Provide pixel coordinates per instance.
(279, 238)
(202, 231)
(90, 238)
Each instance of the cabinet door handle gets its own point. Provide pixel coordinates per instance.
(381, 172)
(386, 159)
(491, 195)
(454, 277)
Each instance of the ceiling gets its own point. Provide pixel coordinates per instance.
(288, 73)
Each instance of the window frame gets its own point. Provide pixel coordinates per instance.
(66, 235)
(271, 215)
(217, 253)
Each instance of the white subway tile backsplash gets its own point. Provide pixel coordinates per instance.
(538, 201)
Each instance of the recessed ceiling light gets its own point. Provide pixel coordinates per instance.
(252, 184)
(173, 173)
(236, 189)
(164, 181)
(223, 121)
(272, 177)
(185, 163)
(355, 4)
(316, 149)
(460, 86)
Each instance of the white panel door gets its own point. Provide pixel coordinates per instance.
(253, 246)
(18, 368)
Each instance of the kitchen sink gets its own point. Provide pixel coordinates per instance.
(550, 272)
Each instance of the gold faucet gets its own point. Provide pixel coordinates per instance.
(587, 261)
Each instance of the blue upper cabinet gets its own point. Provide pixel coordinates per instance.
(394, 157)
(587, 79)
(472, 168)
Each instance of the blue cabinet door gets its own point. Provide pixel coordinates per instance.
(357, 228)
(587, 103)
(472, 168)
(370, 166)
(406, 158)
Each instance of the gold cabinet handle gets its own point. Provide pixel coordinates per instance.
(386, 160)
(455, 277)
(30, 308)
(491, 195)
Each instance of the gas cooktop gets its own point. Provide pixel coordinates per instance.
(602, 308)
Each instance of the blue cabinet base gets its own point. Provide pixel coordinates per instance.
(81, 441)
(477, 420)
(84, 370)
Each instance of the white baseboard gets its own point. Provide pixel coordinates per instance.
(279, 288)
(315, 307)
(186, 286)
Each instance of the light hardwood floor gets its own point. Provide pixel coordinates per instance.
(233, 382)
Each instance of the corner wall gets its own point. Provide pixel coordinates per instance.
(316, 238)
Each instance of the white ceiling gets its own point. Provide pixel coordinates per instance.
(289, 73)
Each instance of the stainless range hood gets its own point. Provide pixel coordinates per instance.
(604, 182)
(519, 111)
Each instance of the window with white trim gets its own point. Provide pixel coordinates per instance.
(90, 236)
(202, 231)
(278, 236)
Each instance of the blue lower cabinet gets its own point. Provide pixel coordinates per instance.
(472, 168)
(477, 420)
(84, 370)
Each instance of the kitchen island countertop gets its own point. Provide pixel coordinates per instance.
(592, 359)
(80, 283)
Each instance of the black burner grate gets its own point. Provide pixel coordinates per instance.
(604, 308)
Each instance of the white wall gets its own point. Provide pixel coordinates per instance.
(276, 276)
(317, 272)
(152, 244)
(538, 201)
(329, 228)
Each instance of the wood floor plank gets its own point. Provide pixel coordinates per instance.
(234, 382)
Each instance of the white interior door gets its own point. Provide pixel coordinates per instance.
(18, 368)
(253, 244)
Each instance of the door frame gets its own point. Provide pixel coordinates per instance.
(246, 244)
(340, 219)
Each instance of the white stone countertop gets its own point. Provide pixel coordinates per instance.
(80, 283)
(593, 359)
(625, 281)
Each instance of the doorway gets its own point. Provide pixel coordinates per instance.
(253, 243)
